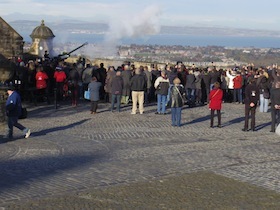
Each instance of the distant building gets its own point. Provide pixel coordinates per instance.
(42, 40)
(11, 42)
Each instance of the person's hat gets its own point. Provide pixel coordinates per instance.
(12, 88)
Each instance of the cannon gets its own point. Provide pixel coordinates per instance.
(67, 54)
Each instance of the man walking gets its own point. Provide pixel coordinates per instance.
(13, 111)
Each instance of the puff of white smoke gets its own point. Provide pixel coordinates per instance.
(134, 25)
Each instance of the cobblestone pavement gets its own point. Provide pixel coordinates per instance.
(71, 150)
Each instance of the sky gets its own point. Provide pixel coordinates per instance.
(249, 14)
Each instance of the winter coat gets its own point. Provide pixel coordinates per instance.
(275, 97)
(172, 75)
(138, 82)
(215, 99)
(224, 83)
(162, 86)
(205, 82)
(237, 82)
(197, 80)
(149, 77)
(252, 94)
(108, 82)
(230, 80)
(190, 81)
(41, 80)
(176, 96)
(263, 84)
(59, 76)
(117, 85)
(126, 75)
(13, 105)
(215, 76)
(93, 88)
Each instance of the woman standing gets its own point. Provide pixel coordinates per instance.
(263, 84)
(177, 101)
(94, 87)
(111, 73)
(215, 103)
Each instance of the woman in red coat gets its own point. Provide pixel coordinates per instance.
(216, 98)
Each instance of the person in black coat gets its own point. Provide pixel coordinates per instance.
(102, 72)
(116, 89)
(275, 106)
(252, 95)
(205, 86)
(138, 85)
(126, 75)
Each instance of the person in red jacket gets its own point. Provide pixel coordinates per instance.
(60, 78)
(237, 88)
(41, 82)
(41, 78)
(215, 103)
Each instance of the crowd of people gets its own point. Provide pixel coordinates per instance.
(169, 86)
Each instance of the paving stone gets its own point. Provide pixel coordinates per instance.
(70, 150)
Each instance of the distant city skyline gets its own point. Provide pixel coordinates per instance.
(216, 13)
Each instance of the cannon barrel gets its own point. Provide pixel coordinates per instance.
(77, 48)
(67, 55)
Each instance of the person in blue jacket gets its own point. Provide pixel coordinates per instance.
(13, 111)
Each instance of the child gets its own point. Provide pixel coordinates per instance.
(216, 98)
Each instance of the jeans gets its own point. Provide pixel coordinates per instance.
(161, 103)
(263, 104)
(191, 95)
(114, 97)
(237, 95)
(176, 116)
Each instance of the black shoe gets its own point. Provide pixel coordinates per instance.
(245, 130)
(211, 126)
(272, 131)
(253, 130)
(219, 126)
(157, 113)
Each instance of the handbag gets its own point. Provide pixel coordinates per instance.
(266, 94)
(23, 113)
(87, 95)
(183, 98)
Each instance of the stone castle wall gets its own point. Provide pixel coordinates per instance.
(11, 43)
